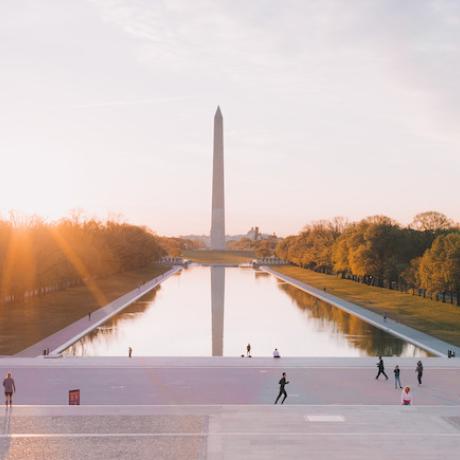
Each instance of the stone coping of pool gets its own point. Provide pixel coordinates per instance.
(427, 342)
(225, 362)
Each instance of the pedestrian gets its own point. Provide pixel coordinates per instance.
(276, 353)
(248, 350)
(89, 315)
(397, 373)
(130, 352)
(381, 368)
(282, 383)
(419, 371)
(406, 397)
(10, 388)
(385, 317)
(47, 351)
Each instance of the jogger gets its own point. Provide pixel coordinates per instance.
(283, 382)
(381, 368)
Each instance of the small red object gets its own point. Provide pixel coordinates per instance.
(74, 397)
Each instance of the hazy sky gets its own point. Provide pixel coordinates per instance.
(330, 108)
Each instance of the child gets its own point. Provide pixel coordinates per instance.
(406, 397)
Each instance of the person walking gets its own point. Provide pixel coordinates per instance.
(10, 388)
(130, 352)
(397, 373)
(406, 397)
(381, 368)
(248, 349)
(282, 383)
(419, 371)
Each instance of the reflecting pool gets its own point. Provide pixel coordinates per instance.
(217, 311)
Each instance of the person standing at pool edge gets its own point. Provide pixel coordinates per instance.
(283, 382)
(10, 388)
(381, 368)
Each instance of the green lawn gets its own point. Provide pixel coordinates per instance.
(23, 324)
(435, 318)
(219, 257)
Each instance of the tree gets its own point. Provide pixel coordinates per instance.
(440, 266)
(431, 221)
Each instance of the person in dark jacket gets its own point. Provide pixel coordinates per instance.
(397, 373)
(283, 382)
(381, 368)
(419, 371)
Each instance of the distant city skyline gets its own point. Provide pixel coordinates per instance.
(332, 108)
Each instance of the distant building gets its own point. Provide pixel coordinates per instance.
(253, 234)
(172, 260)
(271, 260)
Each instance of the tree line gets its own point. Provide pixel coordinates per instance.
(37, 258)
(423, 257)
(261, 247)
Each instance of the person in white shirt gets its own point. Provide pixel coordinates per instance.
(406, 397)
(276, 353)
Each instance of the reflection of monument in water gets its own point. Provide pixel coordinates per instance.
(217, 309)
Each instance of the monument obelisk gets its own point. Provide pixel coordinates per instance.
(218, 205)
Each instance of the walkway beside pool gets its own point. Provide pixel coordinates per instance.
(62, 339)
(427, 342)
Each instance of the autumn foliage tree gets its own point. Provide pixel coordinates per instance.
(38, 257)
(380, 252)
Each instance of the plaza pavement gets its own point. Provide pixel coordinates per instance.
(149, 380)
(427, 342)
(225, 412)
(62, 339)
(230, 432)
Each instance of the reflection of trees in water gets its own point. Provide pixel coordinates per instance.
(108, 331)
(356, 331)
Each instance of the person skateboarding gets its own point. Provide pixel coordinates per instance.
(282, 383)
(381, 368)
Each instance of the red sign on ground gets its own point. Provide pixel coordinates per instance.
(74, 397)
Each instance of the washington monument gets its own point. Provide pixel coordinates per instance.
(218, 205)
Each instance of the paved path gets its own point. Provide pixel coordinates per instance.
(147, 381)
(62, 339)
(427, 342)
(230, 432)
